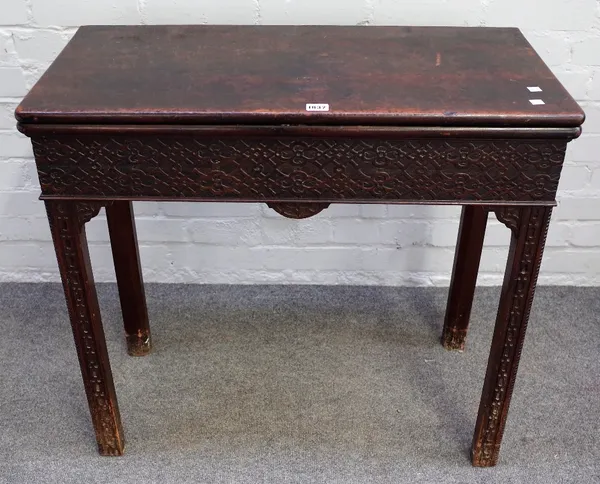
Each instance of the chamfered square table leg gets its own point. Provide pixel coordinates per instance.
(464, 276)
(529, 226)
(67, 219)
(123, 241)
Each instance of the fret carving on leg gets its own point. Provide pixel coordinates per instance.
(67, 220)
(529, 226)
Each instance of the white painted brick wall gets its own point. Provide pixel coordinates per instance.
(349, 244)
(194, 11)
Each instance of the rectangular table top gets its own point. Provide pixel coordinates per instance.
(395, 76)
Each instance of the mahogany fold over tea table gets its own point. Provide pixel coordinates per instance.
(299, 118)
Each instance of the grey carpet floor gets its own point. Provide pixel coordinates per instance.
(281, 384)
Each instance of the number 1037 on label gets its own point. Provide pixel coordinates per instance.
(317, 107)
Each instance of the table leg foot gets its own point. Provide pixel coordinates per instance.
(139, 344)
(111, 450)
(67, 220)
(453, 339)
(529, 226)
(477, 460)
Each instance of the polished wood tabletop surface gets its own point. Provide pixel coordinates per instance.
(248, 74)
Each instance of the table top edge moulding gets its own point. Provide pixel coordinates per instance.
(299, 117)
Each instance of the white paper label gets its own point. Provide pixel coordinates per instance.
(535, 89)
(317, 107)
(536, 102)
